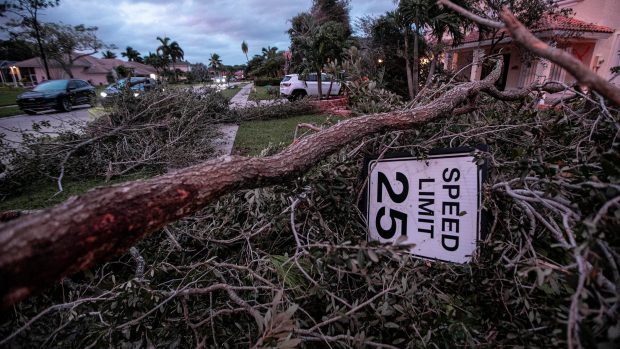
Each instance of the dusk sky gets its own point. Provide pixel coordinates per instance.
(200, 27)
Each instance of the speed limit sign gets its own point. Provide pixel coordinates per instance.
(432, 204)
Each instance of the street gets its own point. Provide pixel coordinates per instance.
(12, 126)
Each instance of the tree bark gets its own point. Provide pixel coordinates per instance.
(43, 247)
(431, 70)
(37, 33)
(416, 61)
(319, 83)
(408, 66)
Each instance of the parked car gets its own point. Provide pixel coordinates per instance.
(293, 87)
(135, 85)
(221, 79)
(61, 95)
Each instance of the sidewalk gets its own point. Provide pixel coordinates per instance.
(240, 100)
(224, 145)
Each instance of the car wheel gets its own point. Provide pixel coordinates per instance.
(298, 94)
(65, 104)
(92, 101)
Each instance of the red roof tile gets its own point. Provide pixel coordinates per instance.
(548, 23)
(557, 22)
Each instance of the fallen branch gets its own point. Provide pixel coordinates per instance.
(103, 222)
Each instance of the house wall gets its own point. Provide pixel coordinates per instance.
(464, 58)
(93, 79)
(606, 53)
(78, 73)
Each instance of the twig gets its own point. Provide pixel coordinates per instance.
(135, 254)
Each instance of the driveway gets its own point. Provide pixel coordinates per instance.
(12, 126)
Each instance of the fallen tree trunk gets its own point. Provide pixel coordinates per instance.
(40, 248)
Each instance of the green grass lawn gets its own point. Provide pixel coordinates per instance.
(9, 111)
(8, 95)
(261, 93)
(230, 92)
(254, 136)
(42, 194)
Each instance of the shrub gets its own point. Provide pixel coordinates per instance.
(156, 131)
(277, 109)
(366, 98)
(254, 267)
(267, 81)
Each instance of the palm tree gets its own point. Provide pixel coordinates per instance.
(176, 53)
(131, 54)
(108, 55)
(155, 60)
(170, 51)
(164, 51)
(270, 52)
(273, 61)
(244, 48)
(426, 15)
(215, 62)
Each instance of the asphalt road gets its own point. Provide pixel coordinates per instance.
(12, 126)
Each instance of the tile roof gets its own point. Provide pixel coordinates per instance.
(92, 65)
(549, 23)
(564, 23)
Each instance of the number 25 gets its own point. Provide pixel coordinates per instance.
(396, 198)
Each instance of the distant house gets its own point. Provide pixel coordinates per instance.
(240, 75)
(183, 66)
(592, 35)
(91, 69)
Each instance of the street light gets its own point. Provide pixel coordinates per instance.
(379, 61)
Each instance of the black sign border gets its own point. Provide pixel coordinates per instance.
(483, 172)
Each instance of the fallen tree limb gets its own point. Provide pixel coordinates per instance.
(38, 249)
(523, 36)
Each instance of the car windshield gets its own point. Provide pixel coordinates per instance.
(133, 81)
(287, 78)
(51, 86)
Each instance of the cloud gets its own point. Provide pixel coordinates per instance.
(200, 27)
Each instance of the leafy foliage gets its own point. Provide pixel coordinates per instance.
(320, 37)
(365, 97)
(233, 275)
(154, 132)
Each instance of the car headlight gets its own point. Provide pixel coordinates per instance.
(136, 94)
(103, 94)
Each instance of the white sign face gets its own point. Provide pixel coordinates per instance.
(433, 202)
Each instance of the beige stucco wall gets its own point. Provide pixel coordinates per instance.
(78, 73)
(601, 12)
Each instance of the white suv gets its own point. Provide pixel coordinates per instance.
(292, 87)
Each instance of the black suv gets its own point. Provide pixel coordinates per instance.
(57, 94)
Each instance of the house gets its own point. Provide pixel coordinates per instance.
(92, 69)
(592, 35)
(183, 66)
